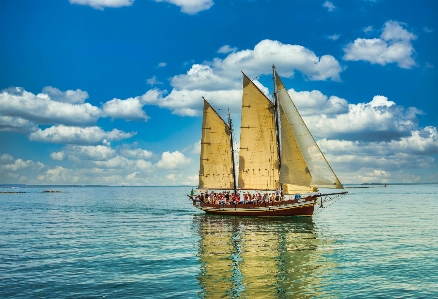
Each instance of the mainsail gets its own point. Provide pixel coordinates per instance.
(216, 167)
(258, 160)
(302, 163)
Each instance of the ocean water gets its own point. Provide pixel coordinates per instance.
(149, 242)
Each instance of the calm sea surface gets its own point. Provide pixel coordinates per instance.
(149, 242)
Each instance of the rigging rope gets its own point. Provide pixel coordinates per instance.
(330, 200)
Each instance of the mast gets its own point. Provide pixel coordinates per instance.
(277, 125)
(232, 151)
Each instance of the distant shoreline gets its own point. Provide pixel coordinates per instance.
(84, 186)
(358, 185)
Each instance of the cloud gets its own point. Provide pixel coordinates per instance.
(189, 102)
(129, 109)
(135, 153)
(384, 161)
(191, 6)
(58, 156)
(226, 73)
(332, 117)
(76, 152)
(329, 5)
(314, 102)
(101, 4)
(379, 119)
(132, 108)
(16, 170)
(162, 64)
(117, 162)
(197, 148)
(421, 142)
(99, 165)
(7, 163)
(153, 81)
(42, 109)
(428, 30)
(70, 96)
(78, 135)
(393, 46)
(173, 160)
(219, 81)
(333, 37)
(16, 124)
(202, 77)
(226, 49)
(368, 29)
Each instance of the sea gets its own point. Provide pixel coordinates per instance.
(150, 242)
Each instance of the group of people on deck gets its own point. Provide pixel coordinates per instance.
(228, 198)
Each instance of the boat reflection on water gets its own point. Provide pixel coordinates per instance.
(262, 258)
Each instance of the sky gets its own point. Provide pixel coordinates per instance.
(109, 92)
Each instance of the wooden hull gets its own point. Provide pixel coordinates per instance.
(300, 207)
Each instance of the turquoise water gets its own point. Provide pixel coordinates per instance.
(149, 242)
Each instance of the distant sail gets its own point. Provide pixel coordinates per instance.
(258, 160)
(318, 168)
(215, 161)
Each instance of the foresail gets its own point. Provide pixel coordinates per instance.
(293, 166)
(215, 162)
(258, 159)
(318, 168)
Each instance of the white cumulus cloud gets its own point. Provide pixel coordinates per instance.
(380, 119)
(315, 102)
(393, 46)
(16, 124)
(70, 96)
(226, 49)
(101, 4)
(78, 135)
(189, 102)
(226, 73)
(220, 80)
(129, 109)
(191, 6)
(384, 161)
(42, 109)
(17, 169)
(85, 152)
(173, 160)
(135, 153)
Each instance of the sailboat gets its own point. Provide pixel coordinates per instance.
(278, 158)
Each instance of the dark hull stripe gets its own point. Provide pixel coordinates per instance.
(305, 208)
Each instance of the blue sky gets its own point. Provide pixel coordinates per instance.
(110, 91)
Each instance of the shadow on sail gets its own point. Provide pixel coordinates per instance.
(261, 258)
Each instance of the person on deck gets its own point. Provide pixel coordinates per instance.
(277, 194)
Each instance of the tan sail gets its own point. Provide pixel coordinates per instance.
(258, 160)
(320, 171)
(294, 173)
(216, 163)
